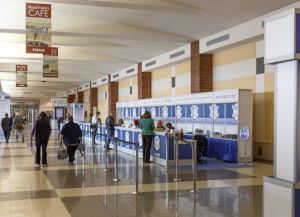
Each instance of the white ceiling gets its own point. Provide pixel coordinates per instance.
(97, 37)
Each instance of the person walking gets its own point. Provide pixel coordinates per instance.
(6, 124)
(19, 126)
(110, 127)
(147, 126)
(94, 126)
(42, 131)
(71, 136)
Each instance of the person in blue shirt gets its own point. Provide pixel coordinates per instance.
(71, 136)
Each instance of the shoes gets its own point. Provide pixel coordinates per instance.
(45, 165)
(36, 165)
(71, 163)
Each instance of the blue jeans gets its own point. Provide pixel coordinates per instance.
(110, 137)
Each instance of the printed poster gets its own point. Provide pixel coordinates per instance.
(50, 62)
(21, 73)
(38, 27)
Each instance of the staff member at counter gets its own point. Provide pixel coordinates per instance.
(147, 126)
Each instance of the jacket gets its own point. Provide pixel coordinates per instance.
(147, 125)
(41, 129)
(72, 133)
(6, 124)
(110, 123)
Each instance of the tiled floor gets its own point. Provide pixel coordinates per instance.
(86, 190)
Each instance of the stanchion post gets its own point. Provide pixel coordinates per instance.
(106, 152)
(136, 192)
(194, 165)
(176, 179)
(116, 179)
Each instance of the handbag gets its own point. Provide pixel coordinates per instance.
(62, 153)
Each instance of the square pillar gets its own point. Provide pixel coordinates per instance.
(201, 70)
(93, 100)
(79, 97)
(281, 195)
(144, 83)
(71, 98)
(113, 97)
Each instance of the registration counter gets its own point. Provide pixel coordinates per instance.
(162, 151)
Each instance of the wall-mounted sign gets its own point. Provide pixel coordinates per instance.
(59, 102)
(50, 62)
(244, 134)
(21, 73)
(38, 27)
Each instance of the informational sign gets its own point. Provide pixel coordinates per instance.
(244, 134)
(21, 73)
(38, 27)
(50, 62)
(59, 102)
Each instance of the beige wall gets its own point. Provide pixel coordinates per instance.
(236, 68)
(45, 104)
(161, 80)
(86, 104)
(103, 101)
(124, 89)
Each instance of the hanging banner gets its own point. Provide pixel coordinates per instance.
(50, 62)
(21, 72)
(38, 27)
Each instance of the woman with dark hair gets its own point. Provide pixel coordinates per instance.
(147, 126)
(42, 131)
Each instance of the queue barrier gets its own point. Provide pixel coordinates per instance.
(193, 143)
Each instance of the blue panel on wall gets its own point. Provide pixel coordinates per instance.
(231, 113)
(219, 113)
(297, 202)
(298, 33)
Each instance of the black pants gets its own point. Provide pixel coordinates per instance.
(71, 152)
(41, 142)
(147, 142)
(6, 135)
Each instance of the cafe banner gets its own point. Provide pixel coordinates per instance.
(21, 72)
(50, 62)
(38, 27)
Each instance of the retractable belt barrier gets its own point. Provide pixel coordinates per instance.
(193, 143)
(136, 192)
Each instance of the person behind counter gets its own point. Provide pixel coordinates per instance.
(147, 126)
(159, 126)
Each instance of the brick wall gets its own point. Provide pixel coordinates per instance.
(93, 99)
(144, 83)
(113, 97)
(201, 70)
(71, 98)
(80, 97)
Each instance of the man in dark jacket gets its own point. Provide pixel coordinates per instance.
(110, 127)
(71, 136)
(6, 125)
(42, 131)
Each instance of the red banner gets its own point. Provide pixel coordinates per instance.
(38, 27)
(38, 10)
(50, 62)
(21, 73)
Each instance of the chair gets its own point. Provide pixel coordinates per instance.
(201, 148)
